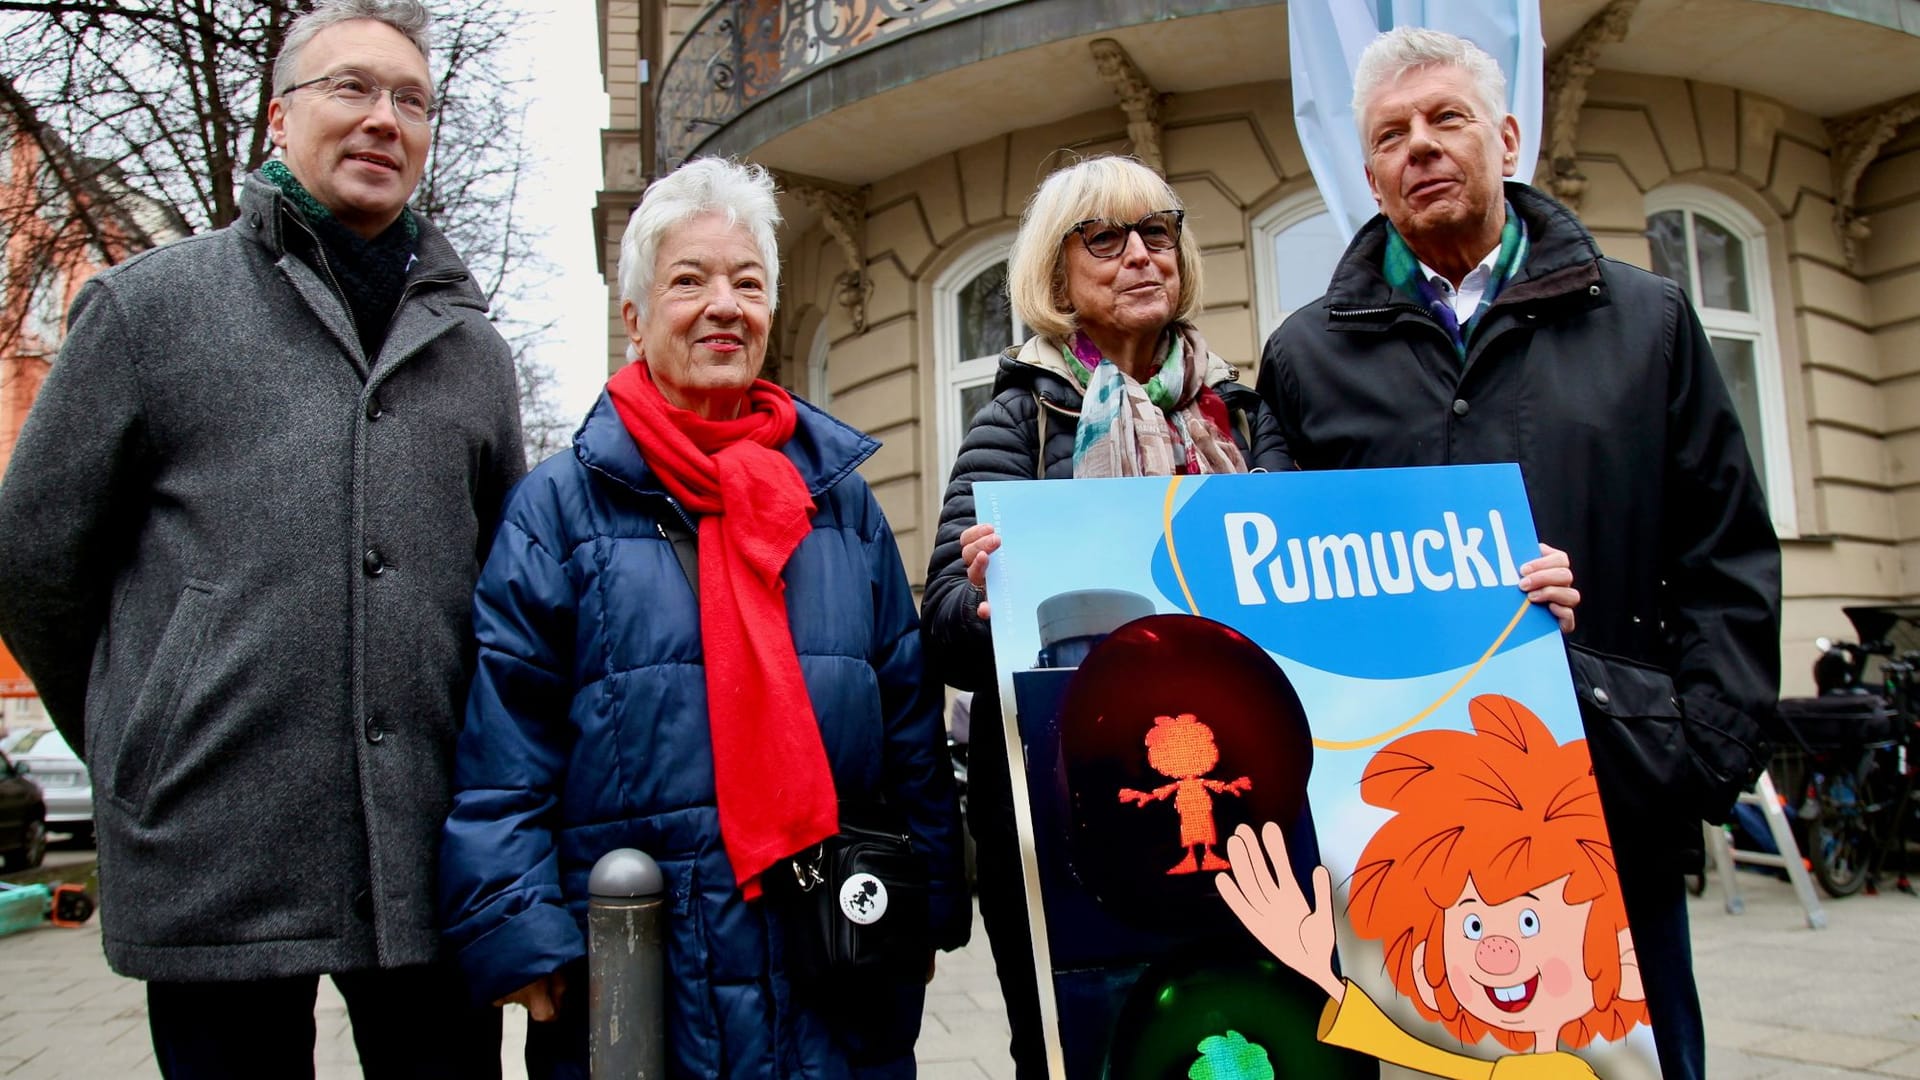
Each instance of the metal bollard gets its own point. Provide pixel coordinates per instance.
(626, 973)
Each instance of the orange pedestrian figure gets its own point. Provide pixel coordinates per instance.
(1183, 748)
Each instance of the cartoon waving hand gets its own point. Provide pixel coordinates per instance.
(1268, 903)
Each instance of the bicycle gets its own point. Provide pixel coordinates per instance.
(1851, 753)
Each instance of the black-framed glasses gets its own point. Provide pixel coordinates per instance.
(410, 103)
(1104, 239)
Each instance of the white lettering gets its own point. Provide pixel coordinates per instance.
(1265, 539)
(1467, 560)
(1509, 575)
(1397, 582)
(1296, 591)
(1364, 564)
(1322, 550)
(1424, 540)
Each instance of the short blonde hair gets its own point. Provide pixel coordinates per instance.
(1108, 186)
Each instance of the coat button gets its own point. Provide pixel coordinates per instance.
(375, 731)
(1600, 695)
(374, 411)
(372, 563)
(1593, 290)
(1460, 406)
(363, 905)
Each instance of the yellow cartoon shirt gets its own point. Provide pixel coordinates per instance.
(1358, 1024)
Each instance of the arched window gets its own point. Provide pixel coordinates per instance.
(1295, 247)
(973, 322)
(818, 391)
(1717, 252)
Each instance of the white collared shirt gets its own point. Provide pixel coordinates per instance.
(1466, 299)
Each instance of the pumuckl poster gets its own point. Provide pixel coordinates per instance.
(1307, 792)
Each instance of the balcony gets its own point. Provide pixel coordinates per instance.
(739, 52)
(852, 90)
(751, 71)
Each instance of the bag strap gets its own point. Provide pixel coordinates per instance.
(1246, 429)
(1040, 448)
(686, 547)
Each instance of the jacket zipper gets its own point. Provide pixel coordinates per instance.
(326, 265)
(679, 513)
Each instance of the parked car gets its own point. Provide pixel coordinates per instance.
(49, 762)
(23, 819)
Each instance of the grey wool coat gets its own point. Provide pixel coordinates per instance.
(237, 558)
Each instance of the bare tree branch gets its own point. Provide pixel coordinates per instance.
(149, 114)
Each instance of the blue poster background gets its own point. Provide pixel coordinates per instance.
(1388, 598)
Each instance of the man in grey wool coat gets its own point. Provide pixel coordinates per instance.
(238, 543)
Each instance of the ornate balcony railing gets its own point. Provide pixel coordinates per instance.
(740, 51)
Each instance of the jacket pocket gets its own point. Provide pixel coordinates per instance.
(1726, 752)
(1635, 734)
(154, 716)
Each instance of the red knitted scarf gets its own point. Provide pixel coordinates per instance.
(770, 771)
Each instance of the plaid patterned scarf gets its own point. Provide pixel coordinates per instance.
(1403, 272)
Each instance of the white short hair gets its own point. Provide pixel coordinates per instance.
(745, 193)
(410, 17)
(1409, 48)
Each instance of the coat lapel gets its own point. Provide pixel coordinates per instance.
(326, 306)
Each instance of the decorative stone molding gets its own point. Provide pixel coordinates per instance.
(843, 213)
(1138, 99)
(1857, 139)
(1567, 75)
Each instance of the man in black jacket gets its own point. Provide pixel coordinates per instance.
(1475, 321)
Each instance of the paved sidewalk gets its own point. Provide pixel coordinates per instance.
(1781, 1001)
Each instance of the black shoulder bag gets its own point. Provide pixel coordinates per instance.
(854, 904)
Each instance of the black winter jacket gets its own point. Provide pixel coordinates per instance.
(1000, 445)
(1597, 378)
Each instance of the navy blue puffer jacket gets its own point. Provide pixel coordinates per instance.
(586, 730)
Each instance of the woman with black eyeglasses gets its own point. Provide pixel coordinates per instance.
(1116, 381)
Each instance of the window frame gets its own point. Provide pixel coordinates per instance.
(819, 393)
(1757, 325)
(1266, 228)
(954, 373)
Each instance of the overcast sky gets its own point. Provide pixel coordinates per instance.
(565, 111)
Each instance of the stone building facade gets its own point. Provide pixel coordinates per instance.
(1764, 152)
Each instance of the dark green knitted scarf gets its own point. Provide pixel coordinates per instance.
(371, 273)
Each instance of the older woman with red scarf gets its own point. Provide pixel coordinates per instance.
(696, 639)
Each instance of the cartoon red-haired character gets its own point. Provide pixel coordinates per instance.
(1181, 747)
(1492, 889)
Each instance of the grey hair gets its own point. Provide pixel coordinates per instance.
(745, 193)
(1409, 48)
(410, 17)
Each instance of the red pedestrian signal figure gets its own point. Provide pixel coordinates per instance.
(1182, 747)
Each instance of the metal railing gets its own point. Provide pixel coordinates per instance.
(739, 51)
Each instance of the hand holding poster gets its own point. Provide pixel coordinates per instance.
(1306, 786)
